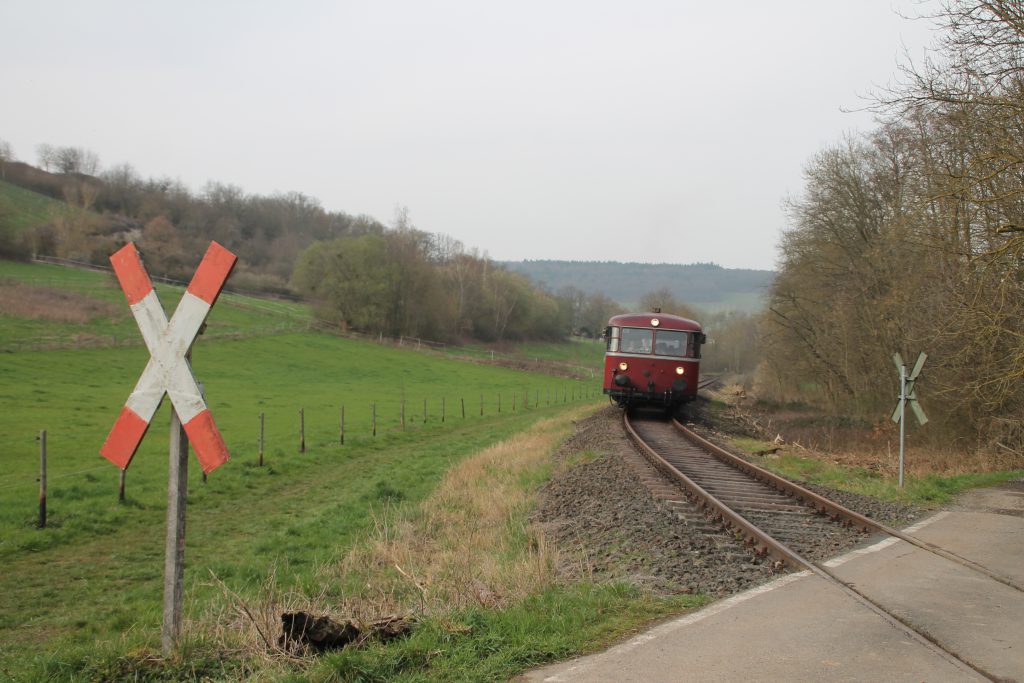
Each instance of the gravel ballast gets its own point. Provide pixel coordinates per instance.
(612, 518)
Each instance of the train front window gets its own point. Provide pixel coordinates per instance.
(636, 340)
(670, 343)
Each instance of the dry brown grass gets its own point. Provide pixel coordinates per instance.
(808, 432)
(469, 543)
(924, 460)
(46, 303)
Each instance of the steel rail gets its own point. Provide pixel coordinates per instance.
(786, 556)
(762, 542)
(833, 509)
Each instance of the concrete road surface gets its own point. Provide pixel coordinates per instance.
(802, 628)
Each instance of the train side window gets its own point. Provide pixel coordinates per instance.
(611, 338)
(636, 340)
(694, 344)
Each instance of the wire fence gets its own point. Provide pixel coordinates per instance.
(370, 421)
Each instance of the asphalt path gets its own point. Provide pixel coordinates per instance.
(967, 626)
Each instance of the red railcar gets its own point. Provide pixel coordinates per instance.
(652, 359)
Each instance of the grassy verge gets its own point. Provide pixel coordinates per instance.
(926, 490)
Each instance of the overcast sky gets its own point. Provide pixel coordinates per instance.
(652, 131)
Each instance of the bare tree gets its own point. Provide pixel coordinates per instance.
(47, 156)
(663, 300)
(6, 155)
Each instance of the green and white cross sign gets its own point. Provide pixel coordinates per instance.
(908, 396)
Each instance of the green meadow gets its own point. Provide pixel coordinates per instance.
(82, 597)
(58, 296)
(76, 394)
(29, 208)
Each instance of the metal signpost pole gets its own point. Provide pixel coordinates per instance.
(903, 415)
(907, 395)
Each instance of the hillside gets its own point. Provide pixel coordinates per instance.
(705, 285)
(46, 306)
(21, 208)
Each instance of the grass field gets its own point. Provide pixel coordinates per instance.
(76, 394)
(29, 208)
(297, 511)
(587, 353)
(82, 598)
(46, 306)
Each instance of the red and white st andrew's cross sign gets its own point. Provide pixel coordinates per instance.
(168, 370)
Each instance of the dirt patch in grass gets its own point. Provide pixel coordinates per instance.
(47, 303)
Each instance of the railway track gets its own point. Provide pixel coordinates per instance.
(788, 525)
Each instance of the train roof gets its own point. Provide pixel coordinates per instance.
(665, 321)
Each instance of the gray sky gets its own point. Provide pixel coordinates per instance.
(652, 131)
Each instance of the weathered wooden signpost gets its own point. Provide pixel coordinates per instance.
(169, 372)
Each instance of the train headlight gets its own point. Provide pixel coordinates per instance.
(680, 370)
(623, 367)
(655, 322)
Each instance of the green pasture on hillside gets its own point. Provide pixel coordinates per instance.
(588, 353)
(77, 394)
(234, 315)
(26, 208)
(95, 573)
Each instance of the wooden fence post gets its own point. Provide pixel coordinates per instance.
(341, 434)
(302, 430)
(120, 486)
(463, 400)
(42, 479)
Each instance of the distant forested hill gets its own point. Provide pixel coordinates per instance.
(704, 285)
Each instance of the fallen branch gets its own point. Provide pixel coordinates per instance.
(1007, 448)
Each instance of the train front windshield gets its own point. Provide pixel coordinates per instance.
(636, 340)
(672, 343)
